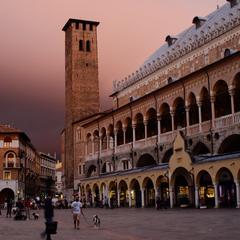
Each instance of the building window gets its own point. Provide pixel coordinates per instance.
(83, 169)
(77, 25)
(10, 159)
(79, 169)
(81, 45)
(88, 46)
(7, 142)
(91, 27)
(7, 175)
(125, 165)
(84, 26)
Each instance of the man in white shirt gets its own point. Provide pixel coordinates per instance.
(76, 210)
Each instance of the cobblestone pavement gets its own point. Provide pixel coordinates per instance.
(132, 224)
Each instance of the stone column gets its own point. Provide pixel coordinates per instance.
(159, 126)
(216, 194)
(118, 197)
(156, 196)
(124, 135)
(172, 112)
(130, 198)
(100, 143)
(171, 196)
(134, 133)
(143, 200)
(212, 99)
(196, 196)
(93, 147)
(107, 134)
(145, 122)
(238, 194)
(231, 92)
(199, 103)
(115, 139)
(187, 108)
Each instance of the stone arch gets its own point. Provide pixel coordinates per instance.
(89, 195)
(104, 138)
(146, 160)
(10, 159)
(166, 120)
(200, 149)
(179, 113)
(129, 130)
(149, 192)
(89, 143)
(110, 132)
(167, 155)
(113, 194)
(226, 188)
(96, 140)
(183, 187)
(119, 128)
(193, 109)
(92, 171)
(135, 191)
(123, 189)
(236, 92)
(205, 105)
(206, 189)
(140, 129)
(96, 195)
(6, 193)
(230, 144)
(163, 198)
(222, 102)
(152, 128)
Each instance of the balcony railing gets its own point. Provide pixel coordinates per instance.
(11, 165)
(219, 123)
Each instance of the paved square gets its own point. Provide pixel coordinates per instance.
(132, 224)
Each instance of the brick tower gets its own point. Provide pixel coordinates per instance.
(81, 82)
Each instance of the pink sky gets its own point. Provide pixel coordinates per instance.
(32, 52)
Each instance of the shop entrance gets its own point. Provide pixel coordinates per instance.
(123, 194)
(206, 190)
(226, 189)
(136, 194)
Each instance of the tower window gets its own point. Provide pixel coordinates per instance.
(88, 46)
(84, 26)
(77, 25)
(91, 27)
(81, 45)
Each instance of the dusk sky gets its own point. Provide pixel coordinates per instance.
(32, 53)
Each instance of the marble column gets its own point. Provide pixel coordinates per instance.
(216, 194)
(212, 99)
(134, 134)
(187, 108)
(199, 104)
(171, 196)
(130, 198)
(231, 92)
(143, 199)
(238, 194)
(159, 126)
(196, 196)
(145, 122)
(172, 112)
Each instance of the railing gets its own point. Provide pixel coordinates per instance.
(223, 121)
(219, 123)
(192, 130)
(167, 137)
(11, 165)
(123, 148)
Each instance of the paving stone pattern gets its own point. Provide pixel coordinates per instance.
(132, 224)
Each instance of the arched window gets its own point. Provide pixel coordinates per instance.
(7, 142)
(10, 160)
(88, 46)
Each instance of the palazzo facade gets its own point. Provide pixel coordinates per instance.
(173, 135)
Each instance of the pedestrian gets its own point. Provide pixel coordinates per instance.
(9, 207)
(27, 207)
(48, 214)
(76, 210)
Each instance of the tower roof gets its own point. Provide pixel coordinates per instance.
(72, 20)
